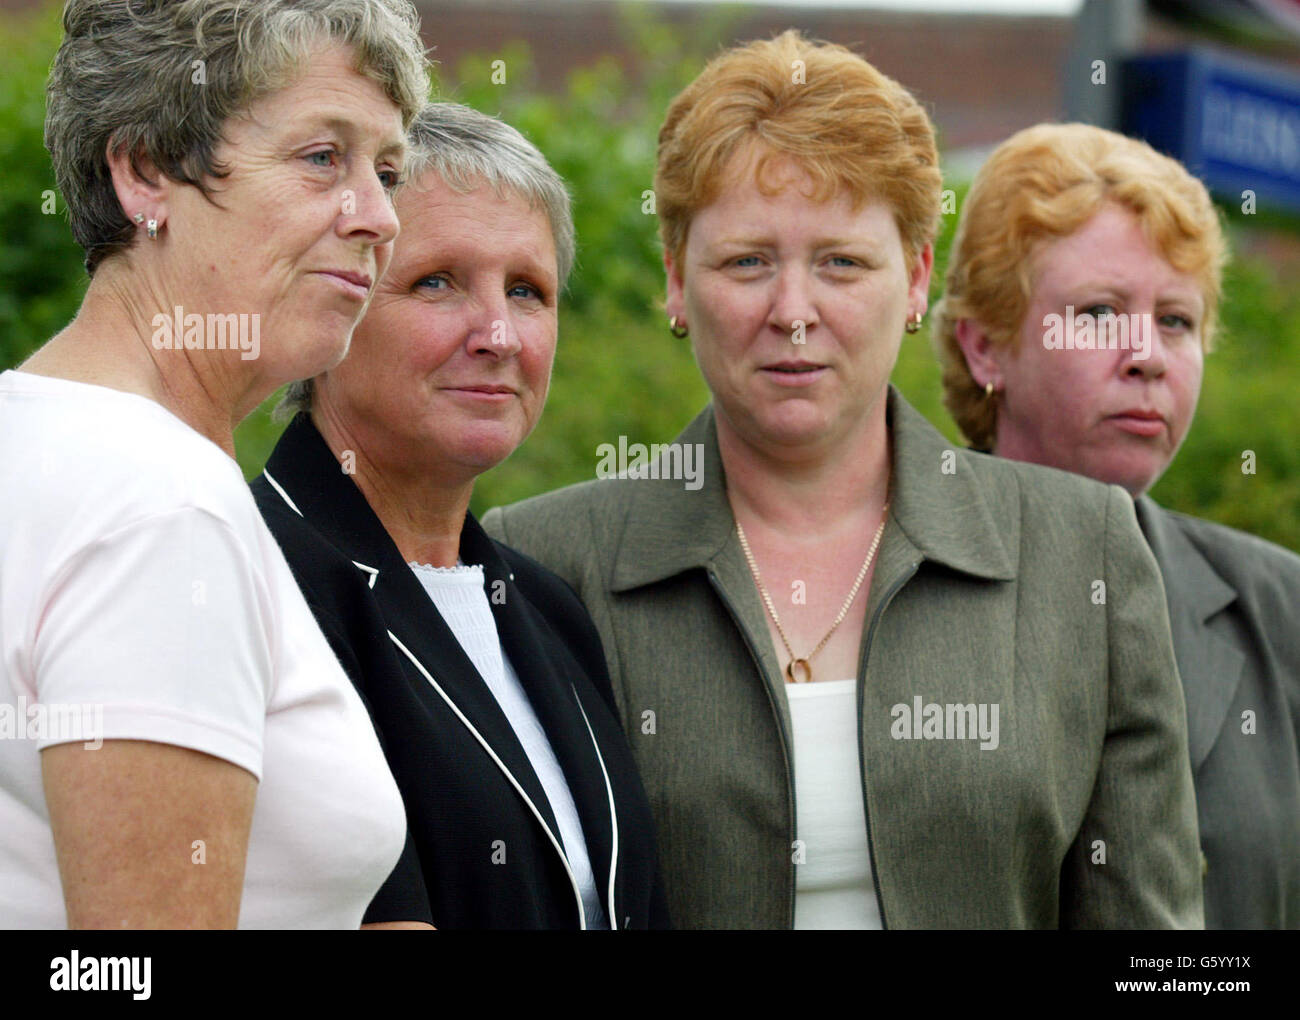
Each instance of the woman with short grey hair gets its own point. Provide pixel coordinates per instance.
(228, 169)
(483, 672)
(465, 148)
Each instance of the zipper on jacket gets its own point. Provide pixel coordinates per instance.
(787, 744)
(862, 751)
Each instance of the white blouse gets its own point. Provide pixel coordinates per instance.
(833, 882)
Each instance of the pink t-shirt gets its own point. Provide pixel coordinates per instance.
(143, 598)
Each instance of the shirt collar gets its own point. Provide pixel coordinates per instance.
(938, 504)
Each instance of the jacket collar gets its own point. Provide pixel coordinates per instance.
(307, 475)
(942, 517)
(1210, 667)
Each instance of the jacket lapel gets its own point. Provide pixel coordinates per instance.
(304, 470)
(546, 677)
(1210, 667)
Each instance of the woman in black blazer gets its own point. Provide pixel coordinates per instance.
(483, 673)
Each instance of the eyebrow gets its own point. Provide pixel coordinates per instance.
(343, 126)
(1121, 287)
(741, 241)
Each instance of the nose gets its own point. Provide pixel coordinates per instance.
(792, 302)
(366, 211)
(492, 330)
(1154, 365)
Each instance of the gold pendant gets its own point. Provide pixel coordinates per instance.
(804, 670)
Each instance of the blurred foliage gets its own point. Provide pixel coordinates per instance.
(617, 370)
(41, 275)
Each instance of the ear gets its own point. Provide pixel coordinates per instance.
(918, 285)
(140, 186)
(982, 358)
(675, 301)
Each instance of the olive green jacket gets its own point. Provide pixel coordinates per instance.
(997, 583)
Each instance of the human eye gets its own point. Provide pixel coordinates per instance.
(328, 154)
(1173, 320)
(428, 282)
(1097, 311)
(392, 179)
(526, 290)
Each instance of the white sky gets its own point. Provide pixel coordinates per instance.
(1060, 8)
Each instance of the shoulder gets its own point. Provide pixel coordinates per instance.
(573, 505)
(1258, 569)
(93, 461)
(569, 523)
(1052, 509)
(326, 574)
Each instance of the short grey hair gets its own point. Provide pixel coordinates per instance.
(467, 149)
(125, 76)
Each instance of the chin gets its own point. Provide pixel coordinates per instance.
(327, 349)
(483, 452)
(792, 425)
(1133, 474)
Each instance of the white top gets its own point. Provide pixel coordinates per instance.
(459, 596)
(141, 591)
(833, 884)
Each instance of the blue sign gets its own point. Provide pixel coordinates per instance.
(1233, 123)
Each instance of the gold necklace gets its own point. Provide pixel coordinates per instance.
(803, 666)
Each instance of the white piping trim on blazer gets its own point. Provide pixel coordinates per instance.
(372, 571)
(283, 495)
(582, 913)
(613, 812)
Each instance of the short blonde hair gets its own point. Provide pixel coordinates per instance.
(850, 128)
(1044, 183)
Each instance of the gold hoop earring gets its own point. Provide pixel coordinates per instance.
(677, 328)
(914, 323)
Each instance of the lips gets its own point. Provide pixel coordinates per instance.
(792, 367)
(1139, 421)
(351, 275)
(484, 388)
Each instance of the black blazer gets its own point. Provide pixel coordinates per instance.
(483, 847)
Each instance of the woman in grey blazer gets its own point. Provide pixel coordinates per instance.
(1095, 368)
(870, 681)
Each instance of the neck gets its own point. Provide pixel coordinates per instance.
(108, 344)
(803, 496)
(423, 513)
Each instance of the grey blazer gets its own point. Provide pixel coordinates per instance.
(1233, 604)
(996, 583)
